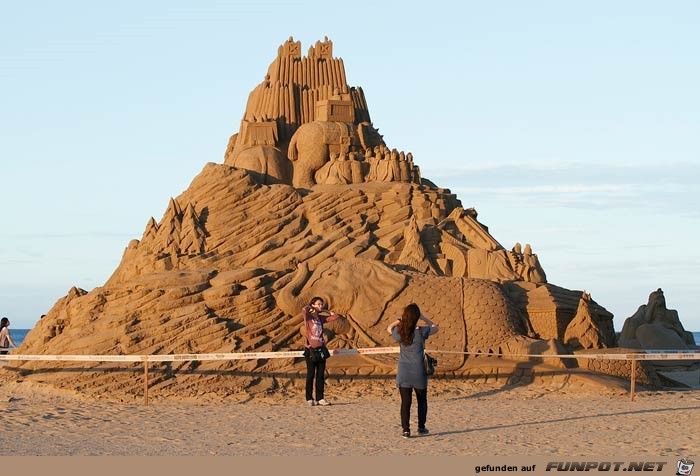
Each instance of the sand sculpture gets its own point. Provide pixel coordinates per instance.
(654, 326)
(310, 200)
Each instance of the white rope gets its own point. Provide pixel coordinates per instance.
(656, 355)
(651, 355)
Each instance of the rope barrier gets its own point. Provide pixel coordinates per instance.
(190, 357)
(649, 355)
(657, 355)
(633, 357)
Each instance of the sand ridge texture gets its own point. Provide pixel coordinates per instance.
(310, 201)
(466, 419)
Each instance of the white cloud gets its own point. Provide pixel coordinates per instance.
(551, 172)
(76, 234)
(552, 189)
(649, 186)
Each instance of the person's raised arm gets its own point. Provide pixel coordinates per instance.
(433, 327)
(329, 316)
(333, 316)
(392, 325)
(427, 321)
(306, 312)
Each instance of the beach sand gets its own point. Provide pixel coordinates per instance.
(465, 418)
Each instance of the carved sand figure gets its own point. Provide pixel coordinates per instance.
(310, 201)
(340, 169)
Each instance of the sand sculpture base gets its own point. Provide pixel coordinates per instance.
(232, 261)
(212, 384)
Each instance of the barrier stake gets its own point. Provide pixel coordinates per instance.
(145, 382)
(633, 377)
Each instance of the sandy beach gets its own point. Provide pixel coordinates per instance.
(465, 418)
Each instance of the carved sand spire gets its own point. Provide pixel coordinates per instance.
(168, 234)
(583, 330)
(179, 232)
(192, 239)
(150, 231)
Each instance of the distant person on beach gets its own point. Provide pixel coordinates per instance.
(411, 374)
(316, 353)
(5, 338)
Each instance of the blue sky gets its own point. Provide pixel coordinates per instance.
(570, 126)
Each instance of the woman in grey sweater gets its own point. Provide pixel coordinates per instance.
(411, 374)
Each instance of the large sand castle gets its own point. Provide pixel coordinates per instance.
(310, 200)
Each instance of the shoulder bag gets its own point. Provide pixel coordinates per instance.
(429, 363)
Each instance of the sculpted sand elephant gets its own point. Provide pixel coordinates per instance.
(313, 143)
(358, 287)
(473, 314)
(267, 163)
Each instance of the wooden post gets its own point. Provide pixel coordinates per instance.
(145, 381)
(633, 377)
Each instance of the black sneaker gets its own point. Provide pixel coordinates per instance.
(406, 434)
(423, 431)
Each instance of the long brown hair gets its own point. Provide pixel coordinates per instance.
(409, 319)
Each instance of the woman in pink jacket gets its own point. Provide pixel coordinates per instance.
(315, 354)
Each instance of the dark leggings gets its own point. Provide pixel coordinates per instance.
(406, 397)
(317, 370)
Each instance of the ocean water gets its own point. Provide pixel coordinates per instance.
(18, 335)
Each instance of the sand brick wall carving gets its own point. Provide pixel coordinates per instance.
(645, 371)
